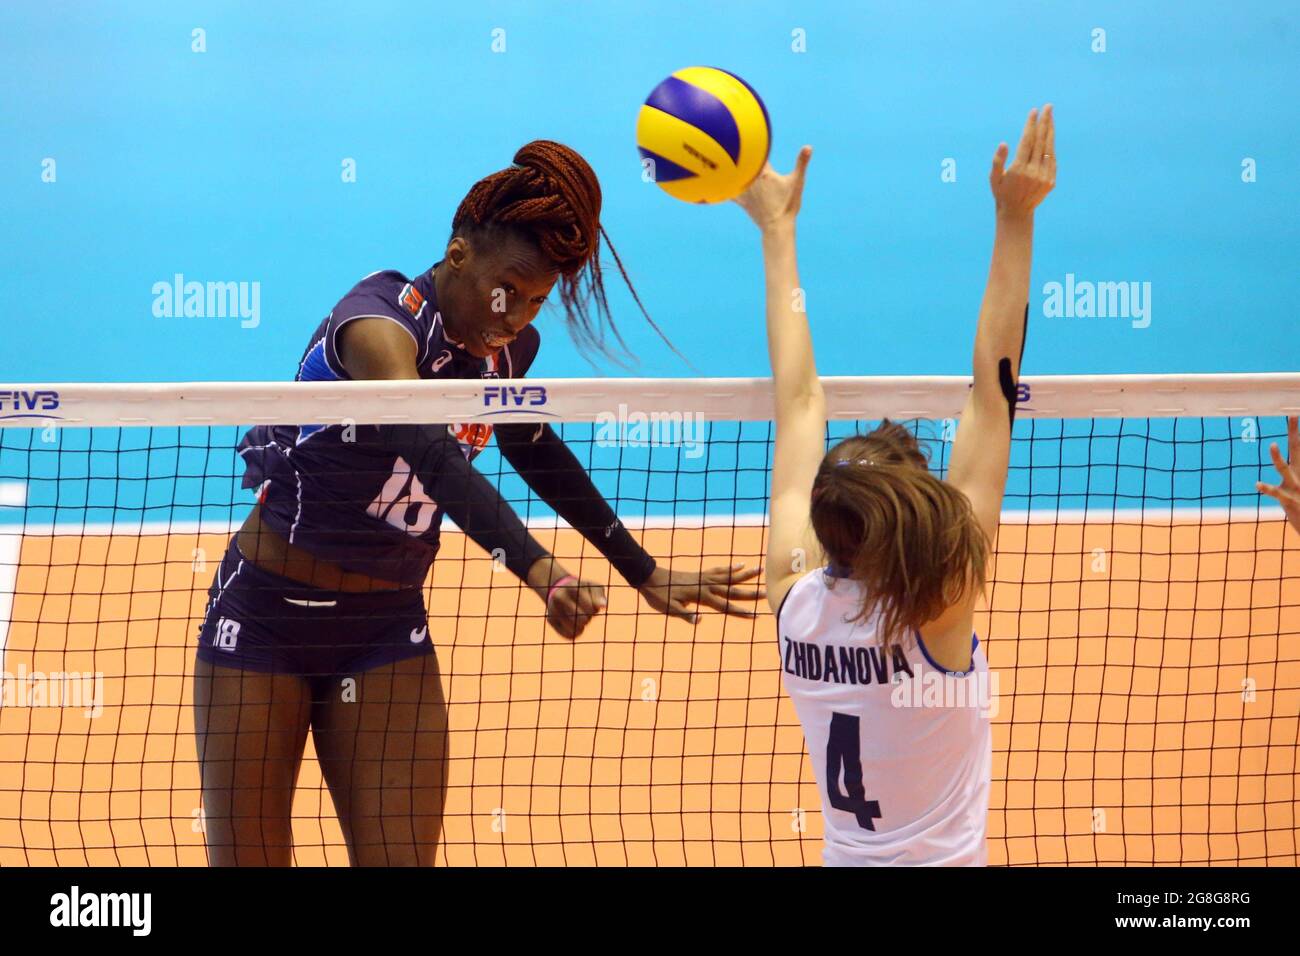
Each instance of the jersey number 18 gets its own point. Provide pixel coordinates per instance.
(402, 502)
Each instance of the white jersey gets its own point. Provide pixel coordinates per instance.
(902, 749)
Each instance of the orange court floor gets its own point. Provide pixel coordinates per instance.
(1148, 708)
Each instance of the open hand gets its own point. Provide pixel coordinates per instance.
(1288, 492)
(1022, 187)
(671, 591)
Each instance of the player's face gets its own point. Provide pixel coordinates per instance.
(499, 289)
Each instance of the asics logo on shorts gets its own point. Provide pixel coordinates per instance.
(419, 634)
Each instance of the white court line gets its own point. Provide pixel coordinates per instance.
(12, 494)
(10, 547)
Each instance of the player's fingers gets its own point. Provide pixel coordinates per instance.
(678, 610)
(743, 200)
(583, 602)
(579, 622)
(562, 620)
(1040, 133)
(801, 168)
(726, 607)
(1284, 495)
(733, 593)
(1049, 145)
(1024, 149)
(1289, 477)
(1293, 437)
(1288, 499)
(591, 598)
(999, 164)
(733, 574)
(574, 608)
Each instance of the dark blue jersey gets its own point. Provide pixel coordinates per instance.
(333, 490)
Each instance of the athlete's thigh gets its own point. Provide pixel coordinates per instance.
(251, 729)
(381, 737)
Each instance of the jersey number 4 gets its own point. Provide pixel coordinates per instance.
(844, 751)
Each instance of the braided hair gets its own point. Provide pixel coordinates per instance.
(551, 197)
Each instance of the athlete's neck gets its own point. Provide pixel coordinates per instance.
(440, 294)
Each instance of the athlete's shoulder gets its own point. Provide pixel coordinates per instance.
(796, 596)
(386, 294)
(381, 280)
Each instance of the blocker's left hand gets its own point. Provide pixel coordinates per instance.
(671, 591)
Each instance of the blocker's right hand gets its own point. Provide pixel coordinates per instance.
(773, 199)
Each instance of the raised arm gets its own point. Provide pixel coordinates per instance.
(982, 449)
(773, 203)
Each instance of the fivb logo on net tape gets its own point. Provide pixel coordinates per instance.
(507, 398)
(22, 403)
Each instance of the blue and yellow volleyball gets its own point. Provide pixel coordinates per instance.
(705, 133)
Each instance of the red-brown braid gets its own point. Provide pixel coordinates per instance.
(552, 195)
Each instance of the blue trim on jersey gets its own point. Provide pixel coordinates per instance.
(834, 571)
(315, 367)
(781, 607)
(974, 643)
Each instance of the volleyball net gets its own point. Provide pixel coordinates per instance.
(1142, 624)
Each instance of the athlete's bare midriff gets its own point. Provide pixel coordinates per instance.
(271, 551)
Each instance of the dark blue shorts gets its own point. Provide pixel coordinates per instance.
(259, 621)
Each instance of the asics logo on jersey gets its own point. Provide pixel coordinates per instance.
(441, 360)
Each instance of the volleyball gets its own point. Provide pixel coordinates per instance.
(703, 134)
